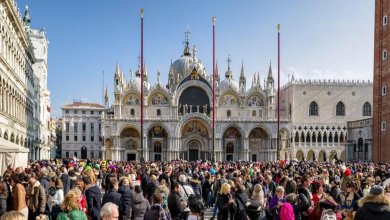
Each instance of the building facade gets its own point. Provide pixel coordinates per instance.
(319, 111)
(81, 127)
(178, 115)
(381, 138)
(359, 141)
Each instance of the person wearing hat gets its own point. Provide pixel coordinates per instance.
(347, 177)
(375, 205)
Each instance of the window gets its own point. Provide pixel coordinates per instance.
(84, 138)
(384, 90)
(84, 125)
(67, 154)
(83, 112)
(75, 138)
(384, 20)
(100, 127)
(67, 127)
(92, 155)
(132, 112)
(67, 137)
(75, 154)
(66, 111)
(100, 112)
(100, 138)
(75, 112)
(92, 112)
(384, 54)
(228, 113)
(254, 113)
(383, 126)
(313, 108)
(340, 109)
(92, 138)
(75, 127)
(367, 109)
(158, 112)
(92, 127)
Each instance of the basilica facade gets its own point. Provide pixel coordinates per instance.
(178, 115)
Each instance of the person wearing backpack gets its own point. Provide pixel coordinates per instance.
(326, 209)
(156, 212)
(241, 200)
(255, 207)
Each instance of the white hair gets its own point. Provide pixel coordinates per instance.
(182, 178)
(107, 209)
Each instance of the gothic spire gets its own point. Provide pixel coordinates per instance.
(106, 99)
(229, 74)
(258, 79)
(242, 75)
(270, 76)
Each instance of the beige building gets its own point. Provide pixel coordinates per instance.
(319, 111)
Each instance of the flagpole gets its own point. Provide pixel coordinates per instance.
(214, 155)
(278, 140)
(142, 85)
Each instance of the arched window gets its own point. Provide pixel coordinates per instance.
(336, 138)
(296, 137)
(254, 113)
(325, 138)
(340, 109)
(158, 112)
(313, 138)
(330, 138)
(228, 113)
(302, 137)
(367, 109)
(132, 112)
(319, 138)
(308, 137)
(313, 108)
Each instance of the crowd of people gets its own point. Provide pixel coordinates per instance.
(180, 190)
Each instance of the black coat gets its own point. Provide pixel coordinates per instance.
(225, 209)
(45, 182)
(175, 205)
(112, 196)
(65, 182)
(94, 203)
(241, 200)
(126, 200)
(374, 207)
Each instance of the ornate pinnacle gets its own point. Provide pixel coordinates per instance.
(278, 27)
(214, 19)
(142, 12)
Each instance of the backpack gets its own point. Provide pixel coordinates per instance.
(328, 214)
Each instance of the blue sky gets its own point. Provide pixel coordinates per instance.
(319, 39)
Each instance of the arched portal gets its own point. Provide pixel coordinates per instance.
(300, 156)
(158, 141)
(259, 145)
(311, 156)
(130, 139)
(195, 137)
(332, 155)
(232, 142)
(194, 99)
(322, 156)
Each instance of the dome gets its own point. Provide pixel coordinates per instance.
(186, 63)
(229, 83)
(136, 83)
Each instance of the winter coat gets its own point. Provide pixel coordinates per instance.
(65, 182)
(287, 212)
(156, 212)
(94, 204)
(37, 198)
(112, 196)
(241, 200)
(55, 199)
(45, 182)
(196, 186)
(139, 207)
(125, 201)
(206, 188)
(73, 215)
(373, 208)
(19, 197)
(225, 209)
(302, 205)
(175, 205)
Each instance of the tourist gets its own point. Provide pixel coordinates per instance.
(70, 207)
(140, 205)
(36, 197)
(19, 195)
(112, 195)
(56, 197)
(156, 212)
(225, 203)
(93, 196)
(374, 206)
(176, 203)
(13, 215)
(126, 199)
(109, 211)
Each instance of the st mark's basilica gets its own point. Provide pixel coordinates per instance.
(178, 115)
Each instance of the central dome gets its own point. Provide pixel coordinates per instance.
(186, 63)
